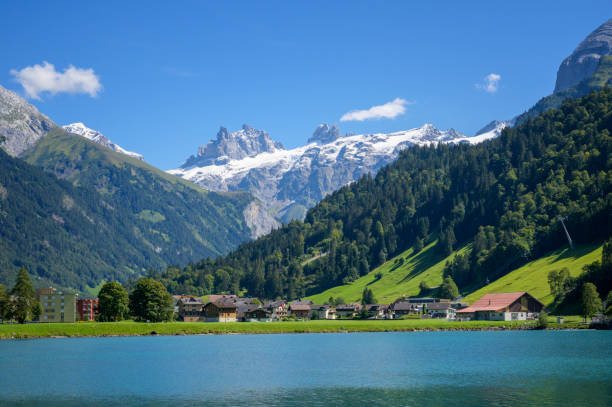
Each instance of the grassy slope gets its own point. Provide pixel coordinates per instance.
(129, 328)
(426, 265)
(533, 276)
(58, 141)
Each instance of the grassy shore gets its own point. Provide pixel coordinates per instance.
(129, 328)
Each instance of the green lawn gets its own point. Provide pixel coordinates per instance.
(427, 265)
(130, 328)
(533, 276)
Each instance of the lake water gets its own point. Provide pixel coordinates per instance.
(572, 368)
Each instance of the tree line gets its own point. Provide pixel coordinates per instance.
(148, 301)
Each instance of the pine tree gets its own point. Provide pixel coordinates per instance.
(24, 296)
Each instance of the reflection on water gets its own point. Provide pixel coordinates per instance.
(381, 369)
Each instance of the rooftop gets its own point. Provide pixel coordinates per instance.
(494, 302)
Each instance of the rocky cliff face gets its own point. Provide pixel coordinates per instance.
(258, 219)
(583, 62)
(21, 124)
(288, 182)
(247, 142)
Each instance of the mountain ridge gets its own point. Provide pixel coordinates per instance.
(97, 137)
(290, 181)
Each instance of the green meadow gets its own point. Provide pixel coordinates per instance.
(398, 278)
(533, 276)
(130, 328)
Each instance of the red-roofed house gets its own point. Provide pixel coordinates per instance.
(502, 307)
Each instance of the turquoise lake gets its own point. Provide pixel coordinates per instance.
(511, 368)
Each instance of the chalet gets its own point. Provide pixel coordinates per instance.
(348, 310)
(401, 307)
(301, 311)
(502, 307)
(220, 311)
(190, 309)
(443, 310)
(257, 314)
(322, 312)
(278, 309)
(421, 300)
(379, 311)
(303, 302)
(222, 298)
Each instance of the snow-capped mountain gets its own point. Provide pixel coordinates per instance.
(488, 132)
(290, 181)
(81, 130)
(247, 142)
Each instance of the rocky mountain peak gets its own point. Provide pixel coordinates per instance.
(20, 123)
(324, 134)
(583, 62)
(247, 142)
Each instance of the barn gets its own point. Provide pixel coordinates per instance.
(518, 306)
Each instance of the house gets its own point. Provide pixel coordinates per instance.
(322, 312)
(57, 306)
(379, 311)
(190, 309)
(301, 311)
(303, 302)
(220, 312)
(222, 298)
(87, 309)
(258, 314)
(348, 310)
(517, 306)
(421, 300)
(278, 309)
(443, 310)
(401, 307)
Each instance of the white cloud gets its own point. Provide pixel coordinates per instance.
(389, 110)
(490, 84)
(37, 79)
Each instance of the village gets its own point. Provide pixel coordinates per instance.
(58, 306)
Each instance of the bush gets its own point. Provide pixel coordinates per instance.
(542, 320)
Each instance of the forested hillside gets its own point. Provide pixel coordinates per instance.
(112, 217)
(504, 196)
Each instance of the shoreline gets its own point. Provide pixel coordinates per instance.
(130, 328)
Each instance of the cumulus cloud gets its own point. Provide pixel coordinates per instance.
(490, 83)
(389, 110)
(37, 79)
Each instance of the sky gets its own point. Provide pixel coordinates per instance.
(160, 78)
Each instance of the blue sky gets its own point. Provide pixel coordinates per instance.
(170, 73)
